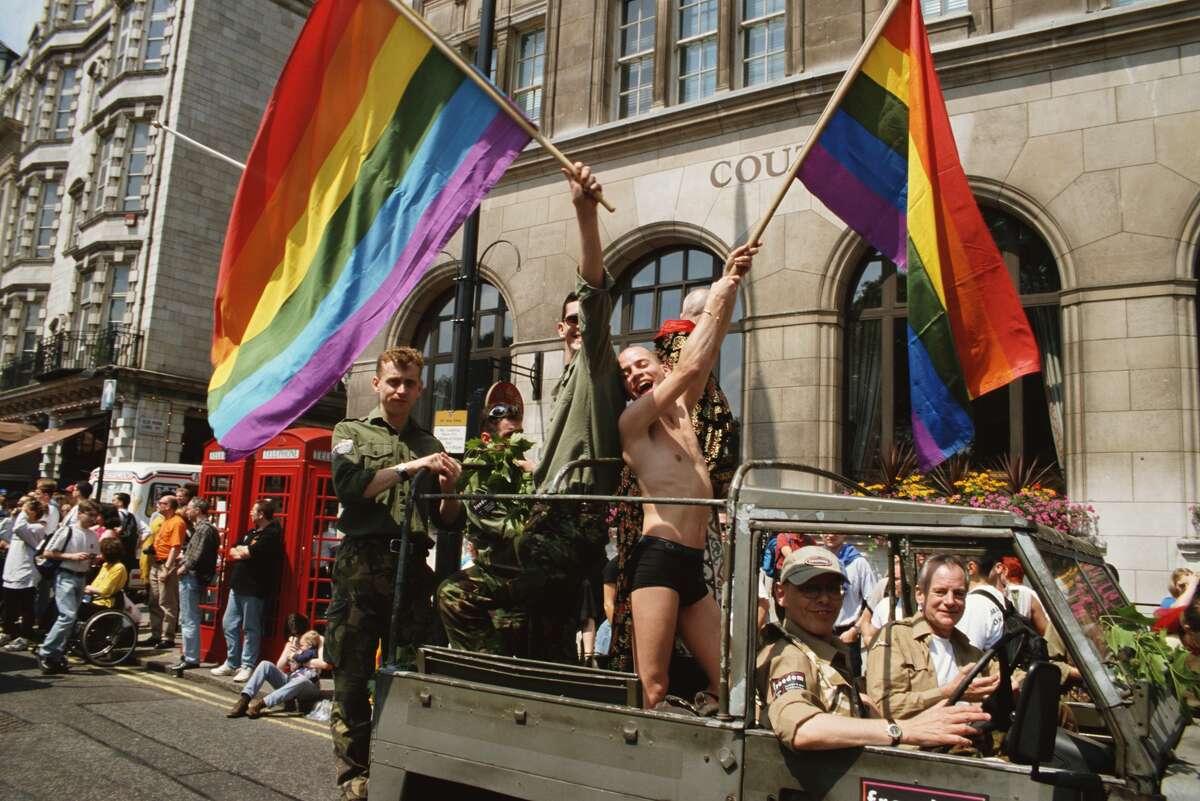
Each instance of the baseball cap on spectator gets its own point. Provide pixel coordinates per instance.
(806, 564)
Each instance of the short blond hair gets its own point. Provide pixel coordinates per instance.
(400, 358)
(1179, 578)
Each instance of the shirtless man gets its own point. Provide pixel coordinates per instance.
(659, 444)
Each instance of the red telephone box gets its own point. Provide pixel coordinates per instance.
(226, 487)
(293, 469)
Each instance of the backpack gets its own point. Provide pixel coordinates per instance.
(1019, 642)
(129, 534)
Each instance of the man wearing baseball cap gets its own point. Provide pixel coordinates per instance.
(807, 692)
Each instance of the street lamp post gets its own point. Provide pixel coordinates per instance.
(464, 300)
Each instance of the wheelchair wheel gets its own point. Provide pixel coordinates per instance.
(108, 638)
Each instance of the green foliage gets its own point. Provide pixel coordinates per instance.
(490, 468)
(1140, 654)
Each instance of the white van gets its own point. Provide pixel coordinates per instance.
(145, 482)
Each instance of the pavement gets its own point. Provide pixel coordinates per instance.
(138, 732)
(157, 661)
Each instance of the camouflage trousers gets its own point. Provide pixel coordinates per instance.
(531, 608)
(359, 615)
(485, 608)
(563, 545)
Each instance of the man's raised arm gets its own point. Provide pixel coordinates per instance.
(584, 191)
(699, 353)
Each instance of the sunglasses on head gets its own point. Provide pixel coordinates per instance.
(502, 411)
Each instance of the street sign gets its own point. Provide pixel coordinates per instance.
(451, 428)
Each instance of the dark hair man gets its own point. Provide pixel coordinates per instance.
(196, 571)
(983, 619)
(809, 696)
(374, 459)
(74, 547)
(253, 580)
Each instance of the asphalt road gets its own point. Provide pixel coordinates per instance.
(128, 734)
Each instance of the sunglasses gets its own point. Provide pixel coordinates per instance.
(571, 319)
(502, 411)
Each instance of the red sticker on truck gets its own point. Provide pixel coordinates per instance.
(890, 791)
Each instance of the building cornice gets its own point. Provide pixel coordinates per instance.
(1088, 37)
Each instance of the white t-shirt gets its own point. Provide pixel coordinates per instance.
(19, 570)
(883, 612)
(944, 663)
(1022, 599)
(860, 578)
(982, 622)
(75, 539)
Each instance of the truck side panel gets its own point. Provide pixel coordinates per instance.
(543, 748)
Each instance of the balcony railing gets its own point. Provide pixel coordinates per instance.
(68, 352)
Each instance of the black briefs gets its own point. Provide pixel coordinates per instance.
(662, 563)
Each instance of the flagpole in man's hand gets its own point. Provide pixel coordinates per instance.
(834, 101)
(505, 104)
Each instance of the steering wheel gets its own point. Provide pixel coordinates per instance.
(961, 690)
(982, 727)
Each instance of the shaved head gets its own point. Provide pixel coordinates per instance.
(636, 351)
(693, 304)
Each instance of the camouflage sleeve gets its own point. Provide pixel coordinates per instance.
(350, 476)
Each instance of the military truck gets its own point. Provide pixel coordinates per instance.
(463, 725)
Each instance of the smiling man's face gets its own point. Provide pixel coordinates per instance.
(641, 370)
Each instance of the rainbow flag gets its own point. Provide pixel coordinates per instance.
(887, 165)
(373, 150)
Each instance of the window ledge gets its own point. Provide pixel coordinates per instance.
(950, 22)
(108, 214)
(21, 261)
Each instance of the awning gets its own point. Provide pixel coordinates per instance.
(39, 441)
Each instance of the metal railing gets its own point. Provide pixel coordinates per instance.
(114, 345)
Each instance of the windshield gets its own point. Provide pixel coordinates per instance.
(111, 488)
(1091, 594)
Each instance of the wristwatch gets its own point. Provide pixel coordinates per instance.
(402, 471)
(895, 733)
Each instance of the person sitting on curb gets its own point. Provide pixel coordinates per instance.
(296, 675)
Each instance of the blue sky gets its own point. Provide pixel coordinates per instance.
(17, 18)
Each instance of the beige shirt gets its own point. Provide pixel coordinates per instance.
(901, 676)
(797, 679)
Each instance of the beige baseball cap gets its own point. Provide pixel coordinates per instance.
(805, 564)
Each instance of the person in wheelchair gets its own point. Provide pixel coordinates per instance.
(921, 660)
(107, 590)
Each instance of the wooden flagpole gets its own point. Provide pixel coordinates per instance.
(200, 145)
(491, 91)
(838, 95)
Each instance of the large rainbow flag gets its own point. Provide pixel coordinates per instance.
(887, 165)
(373, 150)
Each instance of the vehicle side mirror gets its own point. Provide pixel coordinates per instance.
(1035, 722)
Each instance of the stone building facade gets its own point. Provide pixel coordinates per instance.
(111, 230)
(1075, 121)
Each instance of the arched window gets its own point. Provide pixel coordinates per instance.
(1023, 419)
(652, 292)
(490, 357)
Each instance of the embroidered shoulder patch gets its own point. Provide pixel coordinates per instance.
(343, 447)
(788, 682)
